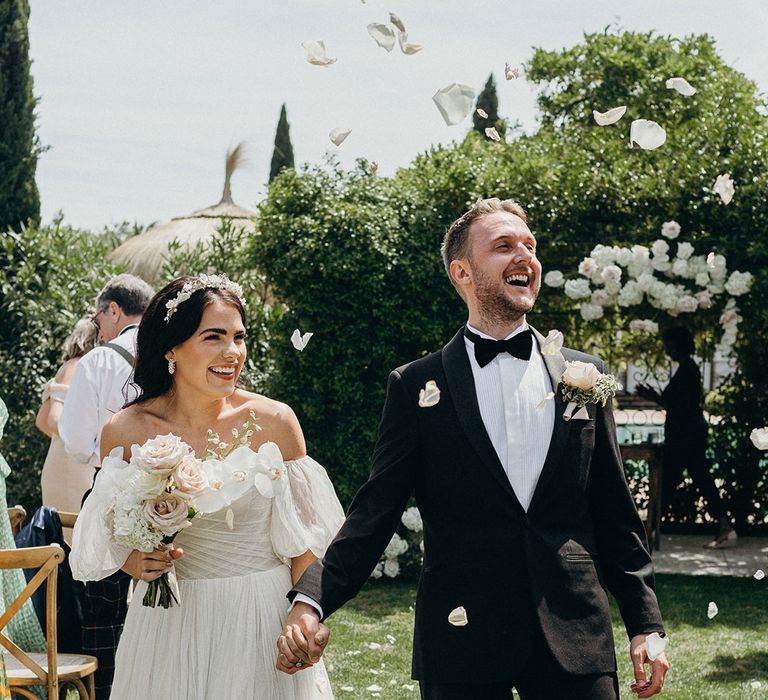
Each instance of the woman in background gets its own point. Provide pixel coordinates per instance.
(64, 481)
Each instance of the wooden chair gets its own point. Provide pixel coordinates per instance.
(52, 670)
(17, 515)
(67, 519)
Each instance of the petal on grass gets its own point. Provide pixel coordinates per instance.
(712, 610)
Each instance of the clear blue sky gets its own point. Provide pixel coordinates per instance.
(140, 100)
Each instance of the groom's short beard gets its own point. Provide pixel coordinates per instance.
(494, 307)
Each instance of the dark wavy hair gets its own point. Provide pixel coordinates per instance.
(681, 338)
(156, 336)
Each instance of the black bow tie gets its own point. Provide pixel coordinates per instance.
(519, 345)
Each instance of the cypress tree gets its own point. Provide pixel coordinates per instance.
(19, 145)
(488, 101)
(282, 156)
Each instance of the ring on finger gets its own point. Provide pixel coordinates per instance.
(299, 663)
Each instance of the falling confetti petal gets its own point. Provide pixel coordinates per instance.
(647, 134)
(338, 135)
(394, 19)
(609, 117)
(712, 610)
(682, 86)
(482, 113)
(300, 341)
(382, 35)
(553, 343)
(759, 438)
(655, 645)
(374, 688)
(407, 48)
(316, 53)
(454, 102)
(430, 395)
(548, 397)
(458, 617)
(724, 188)
(374, 166)
(229, 516)
(511, 73)
(492, 134)
(711, 260)
(759, 574)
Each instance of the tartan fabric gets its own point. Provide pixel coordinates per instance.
(23, 628)
(104, 611)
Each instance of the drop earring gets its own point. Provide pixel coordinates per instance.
(171, 366)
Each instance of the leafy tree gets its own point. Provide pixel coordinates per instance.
(19, 145)
(282, 155)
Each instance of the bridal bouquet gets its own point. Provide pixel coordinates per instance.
(167, 485)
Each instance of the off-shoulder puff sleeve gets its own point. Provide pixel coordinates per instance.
(306, 513)
(95, 555)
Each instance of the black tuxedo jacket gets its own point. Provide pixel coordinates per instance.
(511, 570)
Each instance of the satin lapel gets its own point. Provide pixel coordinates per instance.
(555, 366)
(461, 383)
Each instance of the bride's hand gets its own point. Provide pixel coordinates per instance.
(149, 566)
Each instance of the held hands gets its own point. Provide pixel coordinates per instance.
(643, 687)
(149, 566)
(303, 640)
(647, 392)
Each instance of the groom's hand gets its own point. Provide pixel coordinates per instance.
(303, 640)
(643, 687)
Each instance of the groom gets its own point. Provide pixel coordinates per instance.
(528, 521)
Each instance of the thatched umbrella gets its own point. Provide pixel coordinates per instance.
(145, 254)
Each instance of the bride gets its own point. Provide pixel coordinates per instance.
(234, 567)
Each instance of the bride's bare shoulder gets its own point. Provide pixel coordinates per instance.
(126, 427)
(277, 421)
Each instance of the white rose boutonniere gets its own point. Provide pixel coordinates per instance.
(583, 383)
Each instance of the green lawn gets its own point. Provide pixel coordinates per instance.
(716, 658)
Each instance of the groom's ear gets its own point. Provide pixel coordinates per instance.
(461, 274)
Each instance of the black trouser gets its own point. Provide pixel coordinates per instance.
(542, 678)
(687, 450)
(104, 610)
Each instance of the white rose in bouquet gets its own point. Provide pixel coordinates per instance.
(581, 375)
(189, 478)
(168, 513)
(161, 455)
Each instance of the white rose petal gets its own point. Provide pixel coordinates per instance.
(655, 645)
(316, 53)
(394, 19)
(684, 250)
(511, 73)
(458, 617)
(455, 102)
(712, 610)
(300, 341)
(670, 229)
(338, 135)
(373, 645)
(724, 188)
(647, 134)
(407, 48)
(542, 403)
(682, 86)
(711, 260)
(408, 686)
(374, 688)
(382, 35)
(430, 395)
(482, 113)
(759, 437)
(759, 575)
(587, 266)
(609, 117)
(554, 278)
(347, 688)
(553, 343)
(755, 685)
(492, 134)
(229, 518)
(581, 375)
(390, 639)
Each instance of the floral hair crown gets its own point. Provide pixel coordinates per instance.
(199, 283)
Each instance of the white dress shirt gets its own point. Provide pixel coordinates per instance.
(99, 389)
(509, 391)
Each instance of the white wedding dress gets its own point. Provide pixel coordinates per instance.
(220, 641)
